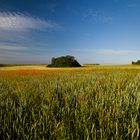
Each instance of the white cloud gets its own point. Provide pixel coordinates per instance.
(107, 51)
(13, 47)
(20, 22)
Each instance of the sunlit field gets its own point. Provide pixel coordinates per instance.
(87, 103)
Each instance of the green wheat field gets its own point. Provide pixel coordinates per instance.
(88, 103)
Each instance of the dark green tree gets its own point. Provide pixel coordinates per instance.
(64, 61)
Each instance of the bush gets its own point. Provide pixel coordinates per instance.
(64, 61)
(2, 65)
(136, 63)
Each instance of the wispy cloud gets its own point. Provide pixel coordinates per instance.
(90, 13)
(132, 5)
(13, 48)
(107, 51)
(11, 57)
(128, 3)
(96, 16)
(17, 21)
(116, 52)
(52, 7)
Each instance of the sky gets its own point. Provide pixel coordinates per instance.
(93, 31)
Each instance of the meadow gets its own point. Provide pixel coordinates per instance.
(88, 103)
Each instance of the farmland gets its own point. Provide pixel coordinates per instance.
(91, 102)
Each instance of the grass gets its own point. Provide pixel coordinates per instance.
(99, 102)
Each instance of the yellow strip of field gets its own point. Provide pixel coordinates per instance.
(23, 68)
(84, 67)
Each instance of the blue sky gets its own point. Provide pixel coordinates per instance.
(94, 31)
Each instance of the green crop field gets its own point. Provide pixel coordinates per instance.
(88, 103)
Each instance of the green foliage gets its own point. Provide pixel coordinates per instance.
(136, 63)
(102, 105)
(64, 61)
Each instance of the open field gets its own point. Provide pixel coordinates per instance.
(92, 102)
(84, 67)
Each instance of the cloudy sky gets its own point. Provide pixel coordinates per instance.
(94, 31)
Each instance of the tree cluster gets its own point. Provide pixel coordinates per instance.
(136, 63)
(64, 61)
(2, 65)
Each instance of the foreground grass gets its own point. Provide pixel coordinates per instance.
(70, 105)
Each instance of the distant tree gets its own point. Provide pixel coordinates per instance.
(136, 63)
(2, 65)
(64, 61)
